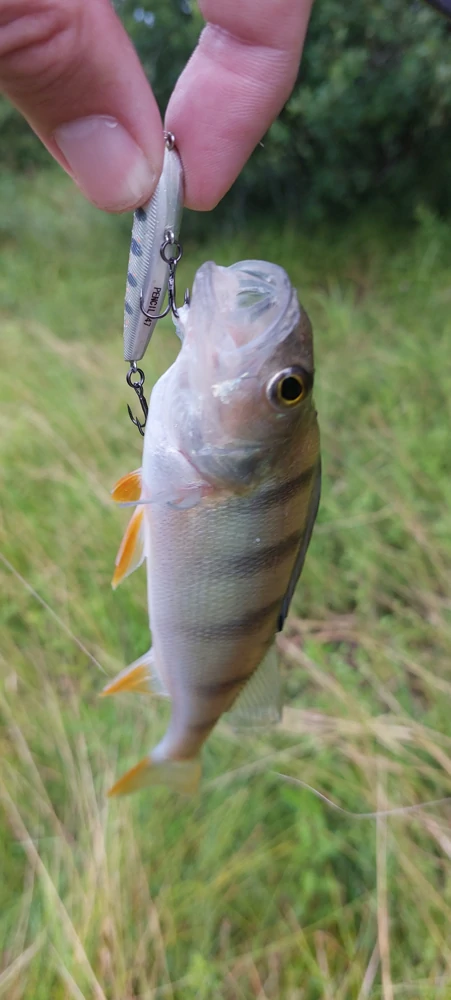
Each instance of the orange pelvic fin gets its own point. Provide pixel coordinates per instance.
(179, 775)
(141, 677)
(128, 488)
(132, 551)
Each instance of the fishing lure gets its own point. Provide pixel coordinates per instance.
(154, 254)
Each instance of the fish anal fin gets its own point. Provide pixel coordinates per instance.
(132, 551)
(179, 775)
(141, 677)
(128, 488)
(259, 703)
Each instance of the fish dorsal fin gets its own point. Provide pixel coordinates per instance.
(128, 488)
(132, 549)
(305, 542)
(259, 703)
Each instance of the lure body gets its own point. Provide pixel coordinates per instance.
(147, 271)
(228, 496)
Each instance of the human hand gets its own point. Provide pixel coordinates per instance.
(70, 68)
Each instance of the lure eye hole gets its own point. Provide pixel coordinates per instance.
(289, 387)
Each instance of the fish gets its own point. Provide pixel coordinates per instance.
(224, 509)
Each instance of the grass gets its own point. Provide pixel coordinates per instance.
(258, 888)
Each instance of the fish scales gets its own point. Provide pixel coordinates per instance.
(230, 485)
(193, 603)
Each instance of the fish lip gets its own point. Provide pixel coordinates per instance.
(203, 284)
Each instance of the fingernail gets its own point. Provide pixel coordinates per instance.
(106, 162)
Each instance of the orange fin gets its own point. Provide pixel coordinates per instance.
(132, 551)
(141, 676)
(180, 775)
(128, 489)
(135, 679)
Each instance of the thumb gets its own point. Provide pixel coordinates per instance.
(70, 68)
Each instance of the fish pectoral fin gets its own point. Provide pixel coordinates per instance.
(128, 488)
(181, 496)
(132, 549)
(259, 703)
(180, 775)
(142, 677)
(188, 496)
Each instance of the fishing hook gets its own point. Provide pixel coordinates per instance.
(138, 387)
(171, 261)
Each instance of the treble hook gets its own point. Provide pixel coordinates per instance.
(138, 387)
(172, 262)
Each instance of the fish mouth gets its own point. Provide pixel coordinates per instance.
(244, 302)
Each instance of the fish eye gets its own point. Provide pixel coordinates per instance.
(289, 387)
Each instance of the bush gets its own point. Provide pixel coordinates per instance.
(369, 118)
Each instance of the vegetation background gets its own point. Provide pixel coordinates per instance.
(257, 889)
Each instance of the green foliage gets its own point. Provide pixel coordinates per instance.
(19, 147)
(256, 888)
(371, 112)
(369, 118)
(164, 45)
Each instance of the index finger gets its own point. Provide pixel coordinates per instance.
(234, 86)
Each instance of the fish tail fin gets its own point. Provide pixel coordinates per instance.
(141, 677)
(179, 775)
